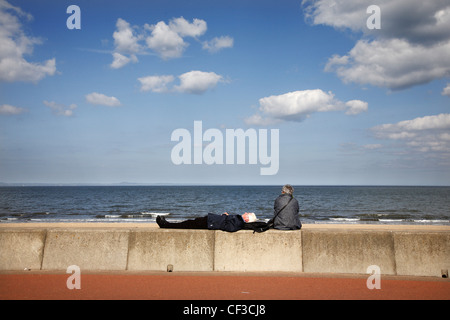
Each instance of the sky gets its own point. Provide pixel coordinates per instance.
(349, 95)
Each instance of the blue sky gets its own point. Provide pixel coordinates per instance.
(353, 105)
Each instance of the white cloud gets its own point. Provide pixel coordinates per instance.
(299, 105)
(409, 49)
(356, 107)
(119, 60)
(15, 44)
(394, 64)
(439, 122)
(7, 109)
(193, 82)
(167, 40)
(126, 45)
(125, 39)
(425, 23)
(197, 82)
(218, 43)
(4, 5)
(101, 99)
(423, 134)
(446, 91)
(60, 109)
(156, 83)
(186, 29)
(335, 13)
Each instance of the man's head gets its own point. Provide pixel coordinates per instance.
(249, 217)
(288, 189)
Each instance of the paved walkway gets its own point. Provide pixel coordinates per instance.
(213, 286)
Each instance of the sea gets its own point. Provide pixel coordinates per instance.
(416, 205)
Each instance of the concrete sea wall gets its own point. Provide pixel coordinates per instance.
(396, 250)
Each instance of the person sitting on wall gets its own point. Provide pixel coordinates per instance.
(286, 209)
(224, 222)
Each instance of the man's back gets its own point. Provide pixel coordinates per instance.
(288, 218)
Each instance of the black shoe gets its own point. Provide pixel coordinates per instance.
(161, 221)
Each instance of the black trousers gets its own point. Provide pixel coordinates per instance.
(197, 223)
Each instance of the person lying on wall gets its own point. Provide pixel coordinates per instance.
(224, 222)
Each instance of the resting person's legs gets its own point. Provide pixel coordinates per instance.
(197, 223)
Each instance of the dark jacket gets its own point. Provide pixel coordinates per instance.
(288, 218)
(230, 223)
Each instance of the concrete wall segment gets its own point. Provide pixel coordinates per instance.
(347, 251)
(422, 253)
(88, 249)
(269, 251)
(21, 249)
(185, 250)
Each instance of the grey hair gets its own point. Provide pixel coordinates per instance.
(288, 189)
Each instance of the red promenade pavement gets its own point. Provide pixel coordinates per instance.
(209, 286)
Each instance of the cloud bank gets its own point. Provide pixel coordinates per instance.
(167, 40)
(422, 134)
(410, 49)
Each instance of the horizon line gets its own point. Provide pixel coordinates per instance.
(156, 184)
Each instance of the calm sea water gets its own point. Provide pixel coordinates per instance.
(318, 204)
